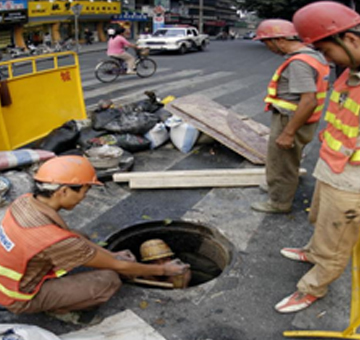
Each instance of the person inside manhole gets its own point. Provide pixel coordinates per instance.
(156, 251)
(38, 249)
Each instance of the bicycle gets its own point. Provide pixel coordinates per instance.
(110, 69)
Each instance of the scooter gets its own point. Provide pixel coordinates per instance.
(18, 52)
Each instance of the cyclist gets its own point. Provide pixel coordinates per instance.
(116, 48)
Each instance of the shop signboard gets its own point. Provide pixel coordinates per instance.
(10, 5)
(130, 16)
(13, 12)
(64, 8)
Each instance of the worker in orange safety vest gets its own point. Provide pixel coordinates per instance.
(333, 29)
(296, 96)
(37, 249)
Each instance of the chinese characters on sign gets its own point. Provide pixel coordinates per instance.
(65, 76)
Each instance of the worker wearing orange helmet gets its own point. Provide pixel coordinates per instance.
(296, 95)
(334, 29)
(37, 249)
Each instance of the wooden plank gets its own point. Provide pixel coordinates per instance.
(224, 125)
(216, 121)
(152, 283)
(127, 176)
(196, 182)
(220, 138)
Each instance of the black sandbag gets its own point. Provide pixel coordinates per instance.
(121, 121)
(87, 134)
(61, 139)
(128, 142)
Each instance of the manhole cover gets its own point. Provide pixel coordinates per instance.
(207, 251)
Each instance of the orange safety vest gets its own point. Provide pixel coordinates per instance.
(340, 135)
(17, 246)
(322, 84)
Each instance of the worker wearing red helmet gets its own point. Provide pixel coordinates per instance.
(334, 29)
(37, 249)
(296, 96)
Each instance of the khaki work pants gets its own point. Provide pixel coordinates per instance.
(72, 292)
(128, 58)
(336, 216)
(282, 166)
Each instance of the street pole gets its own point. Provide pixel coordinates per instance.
(76, 34)
(76, 9)
(201, 6)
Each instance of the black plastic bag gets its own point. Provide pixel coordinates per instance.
(124, 121)
(61, 139)
(128, 142)
(86, 135)
(149, 105)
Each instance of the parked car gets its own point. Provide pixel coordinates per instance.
(249, 35)
(175, 38)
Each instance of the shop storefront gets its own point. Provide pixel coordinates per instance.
(135, 22)
(13, 14)
(57, 18)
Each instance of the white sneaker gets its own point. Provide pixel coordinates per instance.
(295, 254)
(295, 302)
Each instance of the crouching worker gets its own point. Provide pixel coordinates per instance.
(37, 249)
(156, 251)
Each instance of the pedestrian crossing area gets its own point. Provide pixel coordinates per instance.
(222, 86)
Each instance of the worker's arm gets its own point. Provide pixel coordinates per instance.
(305, 109)
(125, 255)
(103, 260)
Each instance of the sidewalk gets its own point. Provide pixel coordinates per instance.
(95, 47)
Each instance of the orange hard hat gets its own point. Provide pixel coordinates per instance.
(323, 19)
(275, 28)
(70, 170)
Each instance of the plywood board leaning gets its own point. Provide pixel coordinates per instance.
(239, 134)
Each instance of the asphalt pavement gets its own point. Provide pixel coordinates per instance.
(239, 304)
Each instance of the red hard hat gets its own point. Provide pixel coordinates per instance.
(322, 19)
(71, 170)
(275, 28)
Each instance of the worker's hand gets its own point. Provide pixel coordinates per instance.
(285, 141)
(175, 267)
(125, 255)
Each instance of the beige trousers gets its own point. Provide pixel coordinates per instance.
(128, 58)
(72, 292)
(336, 216)
(282, 166)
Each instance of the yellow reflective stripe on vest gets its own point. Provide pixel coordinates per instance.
(349, 104)
(321, 95)
(9, 273)
(276, 76)
(335, 96)
(271, 91)
(355, 156)
(319, 108)
(349, 131)
(15, 295)
(332, 142)
(60, 272)
(282, 103)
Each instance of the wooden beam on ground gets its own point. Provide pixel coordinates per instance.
(194, 178)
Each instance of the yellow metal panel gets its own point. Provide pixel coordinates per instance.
(41, 102)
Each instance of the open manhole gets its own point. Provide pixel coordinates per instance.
(207, 251)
